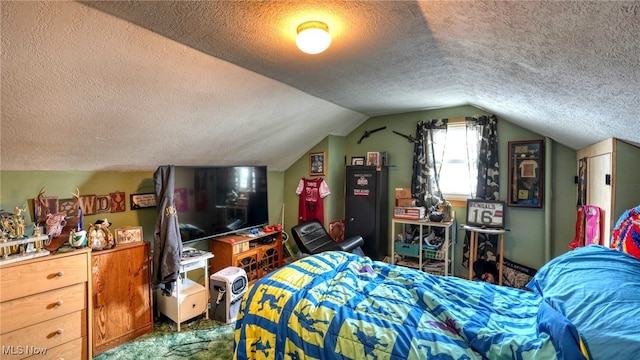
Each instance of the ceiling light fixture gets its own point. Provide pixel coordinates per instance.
(313, 37)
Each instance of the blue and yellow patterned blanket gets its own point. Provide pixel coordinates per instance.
(340, 306)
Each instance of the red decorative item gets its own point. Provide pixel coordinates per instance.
(117, 201)
(274, 227)
(336, 230)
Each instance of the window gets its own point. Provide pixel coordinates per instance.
(245, 179)
(458, 169)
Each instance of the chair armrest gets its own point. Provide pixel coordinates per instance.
(351, 243)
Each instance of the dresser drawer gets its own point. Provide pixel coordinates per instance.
(193, 305)
(73, 350)
(35, 277)
(19, 313)
(45, 335)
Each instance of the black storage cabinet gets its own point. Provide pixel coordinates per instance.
(367, 208)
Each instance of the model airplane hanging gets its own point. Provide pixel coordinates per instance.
(408, 137)
(368, 133)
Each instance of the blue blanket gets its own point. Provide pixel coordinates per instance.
(340, 306)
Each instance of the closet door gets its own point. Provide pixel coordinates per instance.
(599, 190)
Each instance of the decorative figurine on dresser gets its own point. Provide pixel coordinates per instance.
(99, 237)
(58, 225)
(14, 244)
(45, 299)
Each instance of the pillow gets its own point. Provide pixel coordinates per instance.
(625, 235)
(598, 290)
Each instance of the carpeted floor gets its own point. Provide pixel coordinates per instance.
(201, 339)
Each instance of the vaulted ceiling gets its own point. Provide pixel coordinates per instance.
(119, 85)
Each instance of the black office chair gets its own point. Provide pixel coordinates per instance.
(312, 238)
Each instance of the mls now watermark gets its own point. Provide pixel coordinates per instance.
(23, 350)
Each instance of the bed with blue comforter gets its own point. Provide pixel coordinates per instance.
(341, 306)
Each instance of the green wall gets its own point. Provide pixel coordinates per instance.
(333, 146)
(627, 179)
(530, 241)
(525, 242)
(564, 193)
(20, 187)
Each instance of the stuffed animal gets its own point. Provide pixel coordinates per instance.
(446, 209)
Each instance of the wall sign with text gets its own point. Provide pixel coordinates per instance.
(141, 201)
(485, 213)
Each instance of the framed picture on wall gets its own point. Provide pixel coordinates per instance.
(141, 201)
(317, 164)
(526, 173)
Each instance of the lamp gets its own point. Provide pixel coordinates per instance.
(313, 37)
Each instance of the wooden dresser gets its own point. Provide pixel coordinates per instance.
(122, 299)
(44, 307)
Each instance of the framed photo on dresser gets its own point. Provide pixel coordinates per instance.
(128, 235)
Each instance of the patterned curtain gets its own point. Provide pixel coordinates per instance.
(488, 187)
(428, 152)
(483, 130)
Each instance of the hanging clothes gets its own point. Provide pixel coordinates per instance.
(593, 225)
(310, 194)
(588, 227)
(578, 240)
(167, 243)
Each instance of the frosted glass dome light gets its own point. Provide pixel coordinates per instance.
(313, 37)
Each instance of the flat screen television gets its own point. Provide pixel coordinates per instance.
(219, 200)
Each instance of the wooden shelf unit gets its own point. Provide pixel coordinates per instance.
(437, 262)
(251, 253)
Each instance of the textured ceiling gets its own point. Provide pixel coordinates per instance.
(132, 85)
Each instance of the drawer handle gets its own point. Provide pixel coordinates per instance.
(58, 303)
(59, 274)
(55, 333)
